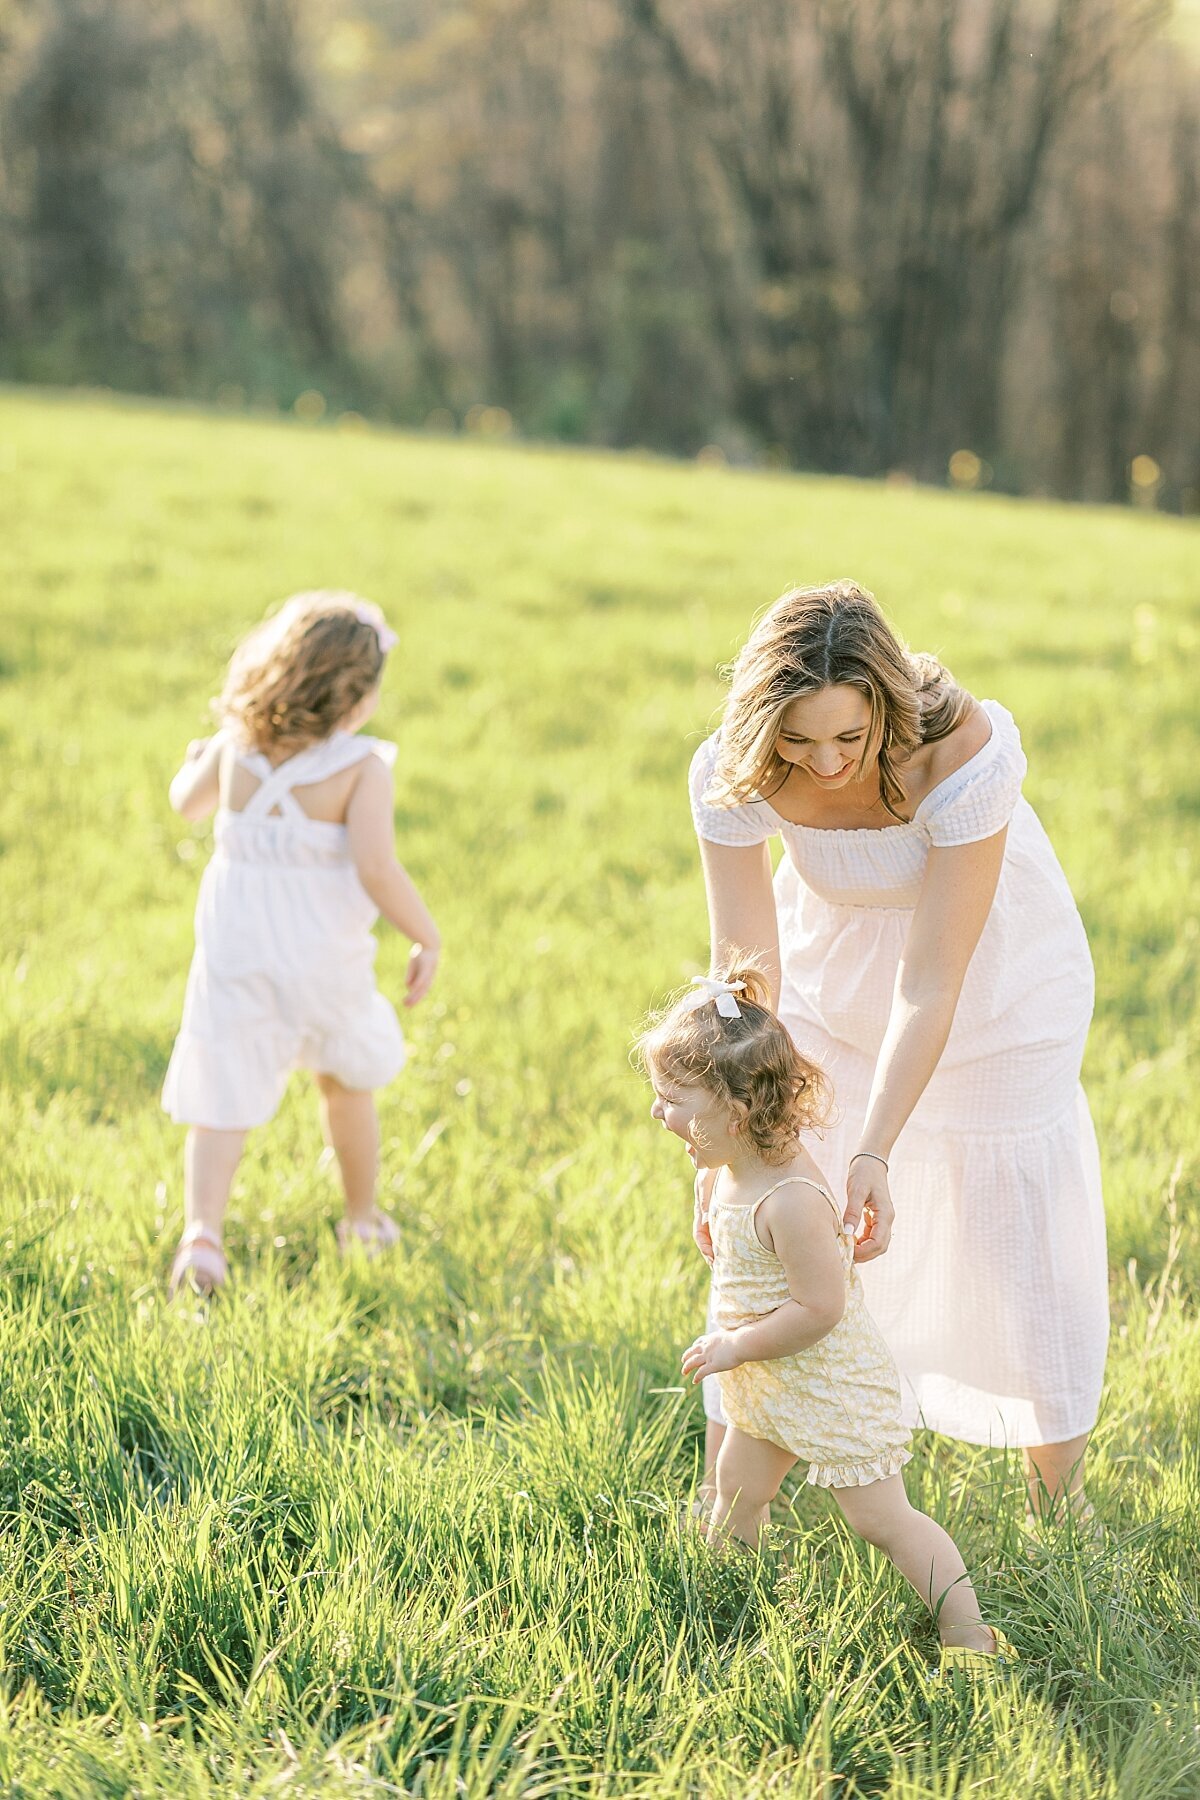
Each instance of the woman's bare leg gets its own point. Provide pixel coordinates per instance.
(714, 1436)
(925, 1554)
(1055, 1471)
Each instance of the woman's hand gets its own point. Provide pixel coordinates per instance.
(422, 967)
(709, 1355)
(869, 1211)
(705, 1182)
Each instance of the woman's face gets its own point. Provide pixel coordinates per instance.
(824, 734)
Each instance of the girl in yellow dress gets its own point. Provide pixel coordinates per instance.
(804, 1372)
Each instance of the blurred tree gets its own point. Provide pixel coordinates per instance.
(855, 235)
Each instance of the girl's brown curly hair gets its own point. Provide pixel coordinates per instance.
(298, 675)
(751, 1060)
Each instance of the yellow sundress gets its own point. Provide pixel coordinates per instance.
(835, 1405)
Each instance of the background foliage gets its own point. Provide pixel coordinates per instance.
(947, 240)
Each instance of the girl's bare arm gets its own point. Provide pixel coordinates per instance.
(196, 788)
(369, 825)
(799, 1225)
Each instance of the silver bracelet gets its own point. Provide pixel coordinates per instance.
(873, 1154)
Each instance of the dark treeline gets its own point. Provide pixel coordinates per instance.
(939, 237)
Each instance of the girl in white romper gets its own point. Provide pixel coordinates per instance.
(304, 862)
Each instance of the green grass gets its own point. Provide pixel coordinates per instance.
(413, 1529)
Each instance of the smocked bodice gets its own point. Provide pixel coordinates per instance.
(881, 868)
(750, 1279)
(272, 829)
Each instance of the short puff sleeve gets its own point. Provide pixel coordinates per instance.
(979, 799)
(751, 822)
(383, 749)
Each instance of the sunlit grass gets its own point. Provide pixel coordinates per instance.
(415, 1527)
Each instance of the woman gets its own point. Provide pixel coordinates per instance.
(929, 954)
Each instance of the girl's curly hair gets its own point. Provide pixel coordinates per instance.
(751, 1059)
(296, 676)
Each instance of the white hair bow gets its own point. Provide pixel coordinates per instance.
(368, 613)
(721, 992)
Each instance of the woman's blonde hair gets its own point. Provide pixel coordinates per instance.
(302, 671)
(819, 637)
(750, 1059)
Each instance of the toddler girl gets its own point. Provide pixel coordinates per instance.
(304, 861)
(803, 1370)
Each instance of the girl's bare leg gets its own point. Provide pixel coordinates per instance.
(1055, 1472)
(925, 1555)
(351, 1128)
(748, 1475)
(210, 1160)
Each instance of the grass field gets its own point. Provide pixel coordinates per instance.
(412, 1529)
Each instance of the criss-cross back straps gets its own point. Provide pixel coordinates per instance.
(274, 791)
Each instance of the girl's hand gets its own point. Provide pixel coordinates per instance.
(705, 1182)
(710, 1354)
(196, 748)
(869, 1210)
(422, 967)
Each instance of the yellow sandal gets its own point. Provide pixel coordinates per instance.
(977, 1665)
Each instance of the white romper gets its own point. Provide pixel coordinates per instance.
(993, 1296)
(283, 975)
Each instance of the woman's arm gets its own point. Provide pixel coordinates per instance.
(369, 827)
(799, 1228)
(741, 905)
(196, 788)
(956, 897)
(741, 916)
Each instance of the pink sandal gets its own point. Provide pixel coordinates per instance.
(199, 1261)
(377, 1233)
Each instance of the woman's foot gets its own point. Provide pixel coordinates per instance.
(377, 1232)
(199, 1261)
(1079, 1517)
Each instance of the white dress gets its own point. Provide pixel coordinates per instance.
(283, 975)
(993, 1296)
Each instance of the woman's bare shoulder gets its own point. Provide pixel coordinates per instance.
(968, 738)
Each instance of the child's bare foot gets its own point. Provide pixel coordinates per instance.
(199, 1260)
(377, 1232)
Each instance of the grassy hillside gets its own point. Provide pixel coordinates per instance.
(412, 1528)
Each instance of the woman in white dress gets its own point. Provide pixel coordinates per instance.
(929, 955)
